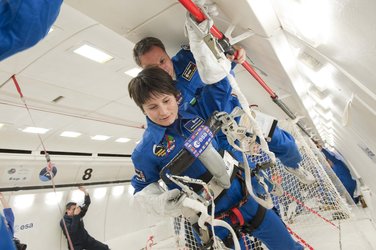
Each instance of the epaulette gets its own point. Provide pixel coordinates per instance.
(186, 47)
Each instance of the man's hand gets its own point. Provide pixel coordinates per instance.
(83, 189)
(240, 57)
(208, 6)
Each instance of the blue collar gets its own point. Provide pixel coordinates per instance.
(157, 132)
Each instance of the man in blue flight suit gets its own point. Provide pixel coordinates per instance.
(342, 172)
(24, 23)
(167, 129)
(182, 68)
(73, 220)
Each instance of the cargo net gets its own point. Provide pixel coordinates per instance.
(186, 237)
(325, 203)
(329, 171)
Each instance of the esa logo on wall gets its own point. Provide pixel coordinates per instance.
(45, 175)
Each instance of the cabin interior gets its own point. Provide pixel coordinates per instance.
(318, 57)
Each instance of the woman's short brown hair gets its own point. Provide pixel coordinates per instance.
(151, 81)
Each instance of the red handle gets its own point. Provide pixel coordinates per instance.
(199, 16)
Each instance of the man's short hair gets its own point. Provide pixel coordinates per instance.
(144, 46)
(70, 204)
(151, 81)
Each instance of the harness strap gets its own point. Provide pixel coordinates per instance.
(237, 219)
(256, 221)
(236, 215)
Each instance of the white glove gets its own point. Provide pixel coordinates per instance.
(208, 6)
(210, 68)
(160, 202)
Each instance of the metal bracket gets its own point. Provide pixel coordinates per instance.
(241, 37)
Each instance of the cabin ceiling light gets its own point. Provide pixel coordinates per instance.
(24, 201)
(310, 61)
(117, 191)
(328, 116)
(322, 79)
(99, 193)
(133, 72)
(53, 198)
(308, 102)
(312, 113)
(301, 85)
(316, 93)
(35, 130)
(93, 53)
(328, 125)
(1, 125)
(324, 101)
(317, 120)
(131, 190)
(123, 140)
(70, 134)
(100, 137)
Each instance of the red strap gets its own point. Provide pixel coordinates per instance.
(239, 216)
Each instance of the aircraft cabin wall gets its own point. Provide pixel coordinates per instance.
(113, 216)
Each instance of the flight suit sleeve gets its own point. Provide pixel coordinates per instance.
(284, 147)
(9, 216)
(6, 241)
(146, 170)
(24, 23)
(85, 206)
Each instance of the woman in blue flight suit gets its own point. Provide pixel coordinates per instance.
(167, 128)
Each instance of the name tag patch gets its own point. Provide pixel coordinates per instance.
(193, 124)
(189, 71)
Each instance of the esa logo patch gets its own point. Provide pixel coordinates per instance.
(140, 175)
(164, 147)
(189, 71)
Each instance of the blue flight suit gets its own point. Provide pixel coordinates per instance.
(9, 217)
(80, 238)
(342, 172)
(24, 22)
(189, 83)
(6, 239)
(160, 144)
